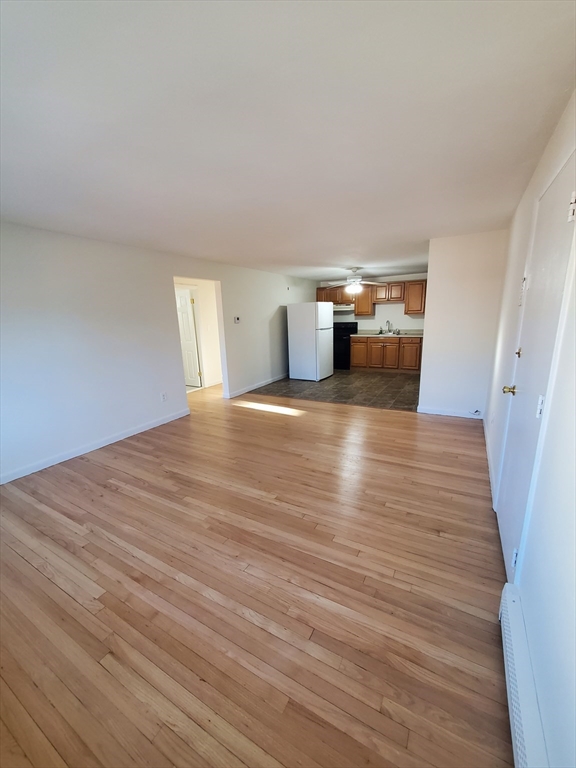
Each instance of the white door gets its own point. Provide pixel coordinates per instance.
(187, 325)
(546, 278)
(324, 353)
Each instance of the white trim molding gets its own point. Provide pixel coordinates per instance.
(239, 392)
(49, 462)
(436, 412)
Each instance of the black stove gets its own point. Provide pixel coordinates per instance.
(342, 333)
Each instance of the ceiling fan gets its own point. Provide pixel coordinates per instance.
(354, 282)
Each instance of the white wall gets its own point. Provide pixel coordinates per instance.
(546, 573)
(558, 150)
(90, 340)
(465, 280)
(393, 312)
(206, 316)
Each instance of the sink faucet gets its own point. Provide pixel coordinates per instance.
(389, 326)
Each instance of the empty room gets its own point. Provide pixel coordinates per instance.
(287, 384)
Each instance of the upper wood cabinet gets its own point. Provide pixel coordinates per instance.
(412, 294)
(415, 297)
(380, 293)
(396, 291)
(387, 292)
(364, 301)
(335, 295)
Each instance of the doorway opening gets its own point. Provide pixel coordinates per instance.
(199, 327)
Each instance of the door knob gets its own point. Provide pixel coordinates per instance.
(509, 390)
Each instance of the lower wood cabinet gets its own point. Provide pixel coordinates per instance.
(375, 353)
(358, 353)
(390, 355)
(386, 353)
(410, 354)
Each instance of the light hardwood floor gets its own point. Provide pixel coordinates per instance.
(248, 588)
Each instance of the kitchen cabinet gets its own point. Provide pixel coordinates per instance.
(400, 353)
(412, 294)
(391, 354)
(410, 354)
(364, 301)
(380, 293)
(375, 353)
(396, 291)
(336, 294)
(358, 352)
(415, 297)
(389, 292)
(383, 352)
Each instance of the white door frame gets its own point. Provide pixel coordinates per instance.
(514, 573)
(191, 283)
(562, 325)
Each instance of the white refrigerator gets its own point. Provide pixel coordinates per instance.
(311, 340)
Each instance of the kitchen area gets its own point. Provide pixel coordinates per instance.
(359, 344)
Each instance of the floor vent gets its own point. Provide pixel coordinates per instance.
(525, 721)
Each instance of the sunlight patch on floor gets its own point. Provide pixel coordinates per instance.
(271, 408)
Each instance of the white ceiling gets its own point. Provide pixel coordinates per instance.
(301, 137)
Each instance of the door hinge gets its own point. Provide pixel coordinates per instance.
(572, 208)
(200, 374)
(514, 558)
(191, 301)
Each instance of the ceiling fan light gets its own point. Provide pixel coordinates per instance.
(353, 288)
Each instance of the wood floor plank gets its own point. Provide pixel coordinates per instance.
(11, 753)
(240, 587)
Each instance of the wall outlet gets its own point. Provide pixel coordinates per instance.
(163, 397)
(514, 558)
(540, 406)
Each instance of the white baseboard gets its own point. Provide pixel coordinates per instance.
(80, 451)
(209, 383)
(439, 412)
(238, 392)
(525, 721)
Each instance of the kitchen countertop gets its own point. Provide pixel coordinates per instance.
(417, 333)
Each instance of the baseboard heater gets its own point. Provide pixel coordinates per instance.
(525, 721)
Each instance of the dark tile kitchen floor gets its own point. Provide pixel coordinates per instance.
(376, 389)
